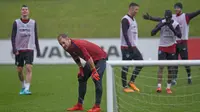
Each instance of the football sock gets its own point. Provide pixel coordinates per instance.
(168, 85)
(188, 70)
(124, 76)
(98, 91)
(23, 84)
(159, 85)
(27, 86)
(135, 73)
(82, 91)
(175, 75)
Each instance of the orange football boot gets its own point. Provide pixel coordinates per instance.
(128, 90)
(132, 85)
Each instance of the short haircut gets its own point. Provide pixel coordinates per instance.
(62, 35)
(132, 4)
(179, 5)
(24, 6)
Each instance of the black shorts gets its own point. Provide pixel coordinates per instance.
(182, 50)
(24, 57)
(166, 56)
(135, 55)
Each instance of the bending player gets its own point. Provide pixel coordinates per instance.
(181, 48)
(169, 29)
(95, 66)
(129, 37)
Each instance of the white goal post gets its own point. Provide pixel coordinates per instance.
(110, 80)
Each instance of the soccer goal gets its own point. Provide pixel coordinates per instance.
(185, 97)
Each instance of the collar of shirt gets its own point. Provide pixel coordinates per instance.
(179, 14)
(25, 20)
(130, 17)
(73, 45)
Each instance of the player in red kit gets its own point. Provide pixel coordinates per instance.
(95, 65)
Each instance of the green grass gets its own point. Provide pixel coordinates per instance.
(87, 18)
(54, 89)
(185, 98)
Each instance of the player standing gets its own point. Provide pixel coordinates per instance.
(169, 29)
(95, 59)
(24, 40)
(129, 37)
(181, 48)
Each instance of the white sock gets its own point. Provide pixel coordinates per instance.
(159, 85)
(27, 86)
(190, 77)
(168, 85)
(23, 84)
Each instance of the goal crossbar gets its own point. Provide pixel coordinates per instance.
(110, 80)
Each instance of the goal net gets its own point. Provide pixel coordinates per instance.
(184, 98)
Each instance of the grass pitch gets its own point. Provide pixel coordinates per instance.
(54, 89)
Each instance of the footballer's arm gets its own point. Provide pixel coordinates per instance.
(36, 41)
(156, 19)
(125, 27)
(87, 58)
(76, 59)
(148, 17)
(190, 16)
(14, 32)
(178, 31)
(157, 28)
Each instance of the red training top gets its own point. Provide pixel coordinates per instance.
(85, 49)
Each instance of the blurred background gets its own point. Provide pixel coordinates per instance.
(88, 18)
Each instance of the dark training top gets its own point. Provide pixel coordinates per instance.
(14, 32)
(85, 50)
(125, 27)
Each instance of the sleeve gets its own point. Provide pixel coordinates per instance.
(157, 28)
(14, 32)
(190, 16)
(178, 31)
(82, 51)
(75, 57)
(36, 40)
(156, 18)
(125, 27)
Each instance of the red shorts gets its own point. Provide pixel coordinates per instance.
(168, 49)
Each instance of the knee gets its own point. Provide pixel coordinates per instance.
(81, 81)
(29, 68)
(19, 69)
